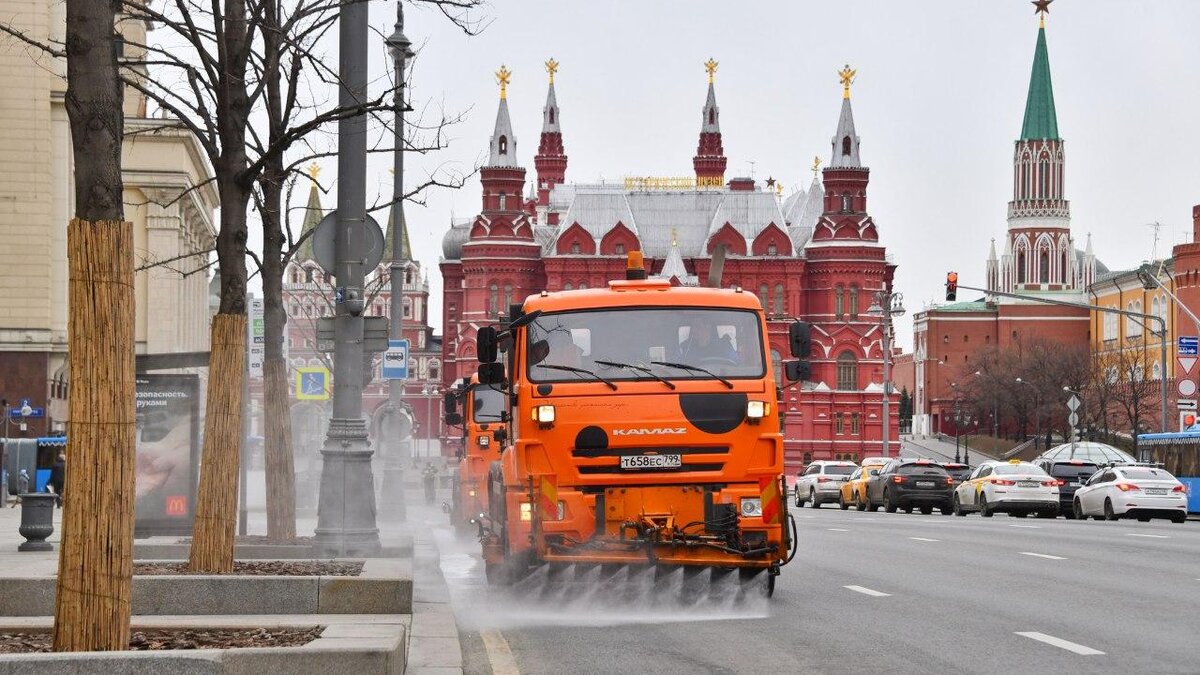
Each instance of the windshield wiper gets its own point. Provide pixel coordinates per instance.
(695, 369)
(573, 369)
(640, 369)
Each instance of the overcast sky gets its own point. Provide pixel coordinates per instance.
(938, 103)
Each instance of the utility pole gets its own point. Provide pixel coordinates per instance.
(885, 306)
(392, 497)
(346, 510)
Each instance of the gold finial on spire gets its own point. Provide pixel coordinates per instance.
(674, 238)
(711, 66)
(847, 77)
(552, 67)
(779, 189)
(1041, 8)
(502, 77)
(313, 170)
(816, 165)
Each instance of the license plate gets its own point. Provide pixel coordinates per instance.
(925, 483)
(1027, 483)
(1156, 491)
(651, 461)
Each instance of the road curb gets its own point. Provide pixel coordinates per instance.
(433, 644)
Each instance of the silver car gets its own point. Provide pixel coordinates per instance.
(822, 482)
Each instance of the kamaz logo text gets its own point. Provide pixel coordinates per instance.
(661, 431)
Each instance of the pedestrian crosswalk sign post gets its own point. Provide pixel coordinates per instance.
(312, 384)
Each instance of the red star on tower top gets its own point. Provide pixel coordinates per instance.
(1041, 6)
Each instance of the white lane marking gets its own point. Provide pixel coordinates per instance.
(923, 539)
(1062, 644)
(498, 653)
(836, 529)
(1152, 536)
(1028, 527)
(867, 591)
(1043, 555)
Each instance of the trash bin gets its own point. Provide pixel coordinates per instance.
(37, 521)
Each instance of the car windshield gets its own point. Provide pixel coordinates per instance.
(922, 470)
(839, 470)
(486, 404)
(674, 343)
(1146, 473)
(1064, 470)
(1018, 469)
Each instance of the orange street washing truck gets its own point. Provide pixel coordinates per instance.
(483, 417)
(648, 434)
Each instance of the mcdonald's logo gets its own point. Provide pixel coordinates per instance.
(177, 505)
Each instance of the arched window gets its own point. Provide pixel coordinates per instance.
(847, 371)
(779, 299)
(619, 249)
(583, 285)
(1156, 371)
(845, 145)
(1044, 171)
(1044, 267)
(1062, 270)
(839, 302)
(567, 286)
(712, 116)
(503, 200)
(772, 249)
(408, 276)
(1021, 267)
(764, 296)
(853, 301)
(575, 247)
(408, 308)
(308, 275)
(846, 203)
(777, 366)
(508, 295)
(552, 116)
(1133, 325)
(503, 146)
(308, 310)
(493, 298)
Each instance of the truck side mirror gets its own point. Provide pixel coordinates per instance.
(800, 339)
(797, 371)
(485, 344)
(450, 403)
(500, 435)
(491, 373)
(453, 419)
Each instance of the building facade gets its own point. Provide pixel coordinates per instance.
(308, 296)
(815, 256)
(168, 198)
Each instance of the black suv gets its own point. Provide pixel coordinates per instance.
(911, 483)
(1073, 473)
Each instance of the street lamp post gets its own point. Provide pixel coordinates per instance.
(885, 306)
(1150, 281)
(346, 524)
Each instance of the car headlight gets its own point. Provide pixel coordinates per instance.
(543, 414)
(751, 507)
(484, 441)
(470, 493)
(756, 410)
(526, 512)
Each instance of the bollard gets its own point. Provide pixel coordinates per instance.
(37, 521)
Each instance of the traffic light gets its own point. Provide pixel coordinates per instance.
(1189, 421)
(951, 286)
(800, 342)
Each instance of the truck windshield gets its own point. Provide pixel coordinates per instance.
(726, 342)
(487, 403)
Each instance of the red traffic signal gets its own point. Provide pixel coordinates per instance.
(951, 286)
(1188, 421)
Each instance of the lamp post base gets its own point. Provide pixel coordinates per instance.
(346, 510)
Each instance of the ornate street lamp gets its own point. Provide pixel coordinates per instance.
(894, 302)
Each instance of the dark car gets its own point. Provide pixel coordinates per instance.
(908, 484)
(1073, 473)
(959, 472)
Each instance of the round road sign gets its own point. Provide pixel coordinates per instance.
(1186, 387)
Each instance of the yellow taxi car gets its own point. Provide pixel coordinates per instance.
(854, 491)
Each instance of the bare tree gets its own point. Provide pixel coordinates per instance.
(95, 566)
(1137, 395)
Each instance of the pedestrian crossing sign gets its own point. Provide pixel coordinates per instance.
(312, 384)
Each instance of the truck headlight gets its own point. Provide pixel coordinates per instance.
(543, 414)
(751, 507)
(484, 441)
(756, 410)
(526, 512)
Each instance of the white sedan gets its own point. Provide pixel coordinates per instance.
(1015, 487)
(1141, 492)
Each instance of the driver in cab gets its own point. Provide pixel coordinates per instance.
(703, 342)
